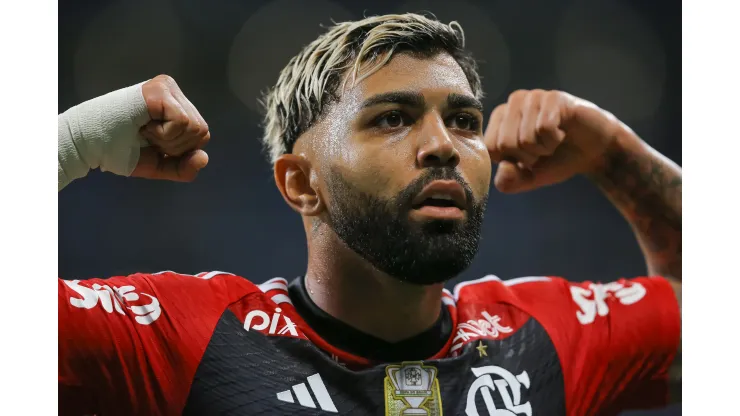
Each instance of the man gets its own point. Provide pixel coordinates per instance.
(376, 138)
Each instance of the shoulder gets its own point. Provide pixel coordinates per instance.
(224, 284)
(553, 295)
(612, 339)
(519, 291)
(146, 294)
(131, 336)
(544, 298)
(169, 280)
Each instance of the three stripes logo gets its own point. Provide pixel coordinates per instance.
(302, 394)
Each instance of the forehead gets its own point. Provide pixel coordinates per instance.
(405, 72)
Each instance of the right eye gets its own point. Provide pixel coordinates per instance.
(393, 120)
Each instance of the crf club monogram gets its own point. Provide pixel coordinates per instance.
(492, 380)
(411, 388)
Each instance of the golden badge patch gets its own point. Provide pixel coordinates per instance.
(411, 388)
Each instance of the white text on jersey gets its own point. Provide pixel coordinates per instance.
(260, 321)
(115, 298)
(490, 327)
(592, 301)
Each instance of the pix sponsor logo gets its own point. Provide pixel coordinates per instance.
(275, 324)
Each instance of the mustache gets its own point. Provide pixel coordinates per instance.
(405, 197)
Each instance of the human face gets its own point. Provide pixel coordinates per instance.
(414, 123)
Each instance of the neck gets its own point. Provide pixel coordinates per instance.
(347, 287)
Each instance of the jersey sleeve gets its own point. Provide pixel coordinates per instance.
(616, 340)
(131, 345)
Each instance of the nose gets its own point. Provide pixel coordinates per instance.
(436, 147)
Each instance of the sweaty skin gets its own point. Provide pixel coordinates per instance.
(424, 118)
(381, 161)
(539, 138)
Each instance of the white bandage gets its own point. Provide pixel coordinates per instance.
(102, 132)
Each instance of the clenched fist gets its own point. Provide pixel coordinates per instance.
(176, 132)
(541, 138)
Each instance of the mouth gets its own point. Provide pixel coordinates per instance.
(441, 200)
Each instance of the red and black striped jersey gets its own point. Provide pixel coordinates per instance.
(216, 343)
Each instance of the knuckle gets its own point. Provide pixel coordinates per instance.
(150, 131)
(182, 120)
(501, 108)
(528, 140)
(518, 95)
(534, 97)
(193, 128)
(534, 148)
(495, 119)
(154, 138)
(545, 126)
(166, 80)
(508, 142)
(557, 97)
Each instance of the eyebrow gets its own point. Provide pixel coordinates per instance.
(415, 99)
(411, 99)
(457, 101)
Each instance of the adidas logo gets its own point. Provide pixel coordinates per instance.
(316, 386)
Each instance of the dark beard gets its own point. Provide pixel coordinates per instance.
(382, 233)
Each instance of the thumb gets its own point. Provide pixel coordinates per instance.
(510, 178)
(154, 165)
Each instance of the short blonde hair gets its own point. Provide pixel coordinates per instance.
(313, 78)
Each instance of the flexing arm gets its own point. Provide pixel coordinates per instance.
(110, 347)
(646, 188)
(540, 138)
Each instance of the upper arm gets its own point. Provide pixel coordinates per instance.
(616, 341)
(123, 344)
(628, 333)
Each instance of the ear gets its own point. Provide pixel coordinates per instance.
(293, 179)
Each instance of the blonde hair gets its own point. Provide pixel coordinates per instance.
(351, 51)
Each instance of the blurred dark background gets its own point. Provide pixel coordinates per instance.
(623, 55)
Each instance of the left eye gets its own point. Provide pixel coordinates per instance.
(463, 122)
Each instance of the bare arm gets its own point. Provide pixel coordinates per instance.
(540, 138)
(646, 188)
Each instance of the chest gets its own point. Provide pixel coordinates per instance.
(248, 373)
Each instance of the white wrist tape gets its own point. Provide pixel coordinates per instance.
(102, 132)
